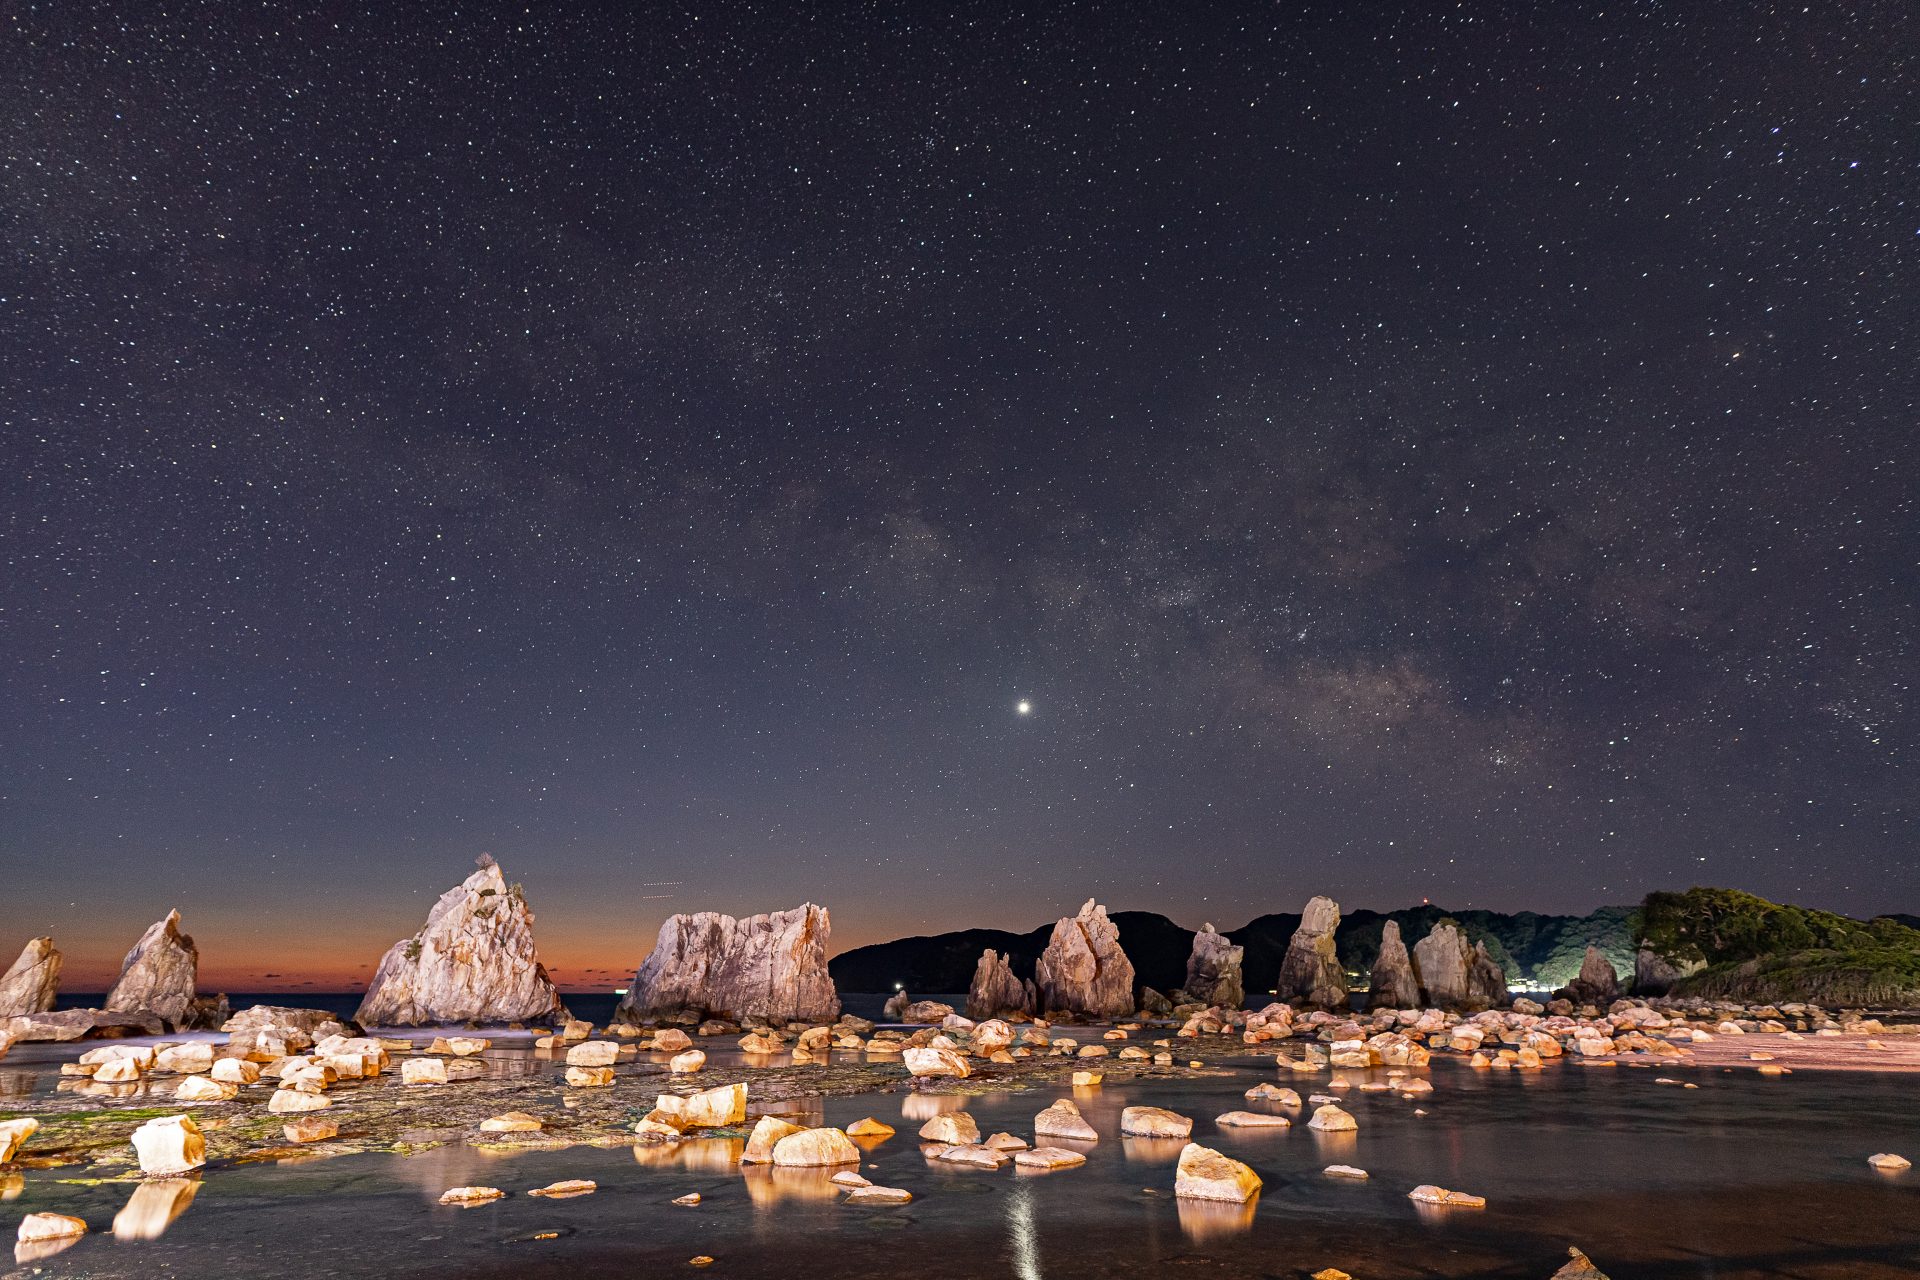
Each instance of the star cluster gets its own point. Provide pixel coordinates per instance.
(947, 462)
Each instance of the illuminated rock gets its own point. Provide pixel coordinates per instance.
(1154, 1122)
(1205, 1174)
(158, 975)
(995, 991)
(33, 982)
(1213, 970)
(473, 961)
(1083, 970)
(169, 1145)
(1310, 973)
(771, 966)
(14, 1134)
(1392, 984)
(815, 1147)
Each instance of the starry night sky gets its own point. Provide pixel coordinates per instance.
(1453, 451)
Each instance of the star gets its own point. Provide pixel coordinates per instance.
(1024, 707)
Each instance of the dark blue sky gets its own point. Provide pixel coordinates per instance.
(1454, 451)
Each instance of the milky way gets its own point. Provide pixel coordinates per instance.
(1394, 451)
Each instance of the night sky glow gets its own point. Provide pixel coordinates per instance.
(947, 462)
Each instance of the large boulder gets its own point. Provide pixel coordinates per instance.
(1597, 984)
(317, 1024)
(1083, 970)
(1213, 970)
(34, 980)
(1310, 973)
(474, 961)
(995, 991)
(1393, 985)
(771, 966)
(159, 974)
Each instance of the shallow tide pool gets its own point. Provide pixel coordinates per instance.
(1741, 1177)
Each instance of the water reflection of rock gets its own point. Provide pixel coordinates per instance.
(16, 1084)
(702, 1155)
(810, 1112)
(435, 1170)
(11, 1185)
(770, 1185)
(923, 1107)
(1148, 1151)
(153, 1207)
(1335, 1147)
(1210, 1221)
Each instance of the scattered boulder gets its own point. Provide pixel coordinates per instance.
(1393, 985)
(1213, 970)
(470, 1195)
(930, 1061)
(1887, 1162)
(1062, 1119)
(566, 1189)
(813, 1148)
(869, 1128)
(925, 1012)
(714, 1108)
(169, 1145)
(474, 961)
(1205, 1174)
(1251, 1120)
(1427, 1193)
(512, 1122)
(1083, 970)
(1048, 1158)
(767, 1133)
(1154, 1122)
(995, 991)
(204, 1089)
(33, 982)
(951, 1127)
(1310, 973)
(1329, 1118)
(705, 964)
(879, 1195)
(38, 1227)
(158, 975)
(14, 1134)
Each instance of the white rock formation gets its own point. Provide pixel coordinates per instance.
(771, 966)
(1083, 970)
(473, 962)
(159, 974)
(34, 980)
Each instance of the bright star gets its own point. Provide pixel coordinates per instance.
(1024, 707)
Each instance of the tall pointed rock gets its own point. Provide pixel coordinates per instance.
(705, 964)
(159, 974)
(1083, 970)
(1310, 973)
(474, 961)
(1393, 985)
(34, 980)
(995, 991)
(1213, 970)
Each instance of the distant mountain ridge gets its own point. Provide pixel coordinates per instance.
(1536, 950)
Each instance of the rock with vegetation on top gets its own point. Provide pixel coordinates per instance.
(1393, 985)
(1213, 970)
(158, 975)
(1310, 973)
(705, 964)
(1083, 970)
(995, 991)
(474, 961)
(34, 980)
